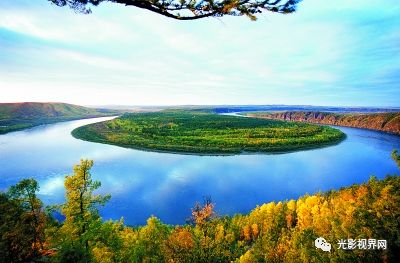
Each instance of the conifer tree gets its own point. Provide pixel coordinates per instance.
(82, 218)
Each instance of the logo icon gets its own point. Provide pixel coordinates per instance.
(322, 244)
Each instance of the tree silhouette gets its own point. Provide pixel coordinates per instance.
(192, 9)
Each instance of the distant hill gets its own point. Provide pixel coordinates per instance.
(384, 121)
(18, 116)
(251, 108)
(302, 108)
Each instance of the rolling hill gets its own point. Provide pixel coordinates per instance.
(18, 116)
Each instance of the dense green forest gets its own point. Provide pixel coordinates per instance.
(19, 116)
(206, 133)
(274, 232)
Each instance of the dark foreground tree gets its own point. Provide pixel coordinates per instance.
(22, 223)
(193, 9)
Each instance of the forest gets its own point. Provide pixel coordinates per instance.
(282, 231)
(200, 132)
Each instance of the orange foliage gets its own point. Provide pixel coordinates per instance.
(254, 230)
(246, 233)
(202, 214)
(181, 238)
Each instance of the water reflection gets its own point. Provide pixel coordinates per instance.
(167, 185)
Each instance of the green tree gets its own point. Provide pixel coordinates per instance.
(192, 9)
(25, 194)
(82, 219)
(396, 158)
(22, 223)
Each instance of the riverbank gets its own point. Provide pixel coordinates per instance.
(202, 133)
(385, 122)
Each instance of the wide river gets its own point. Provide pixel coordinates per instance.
(167, 185)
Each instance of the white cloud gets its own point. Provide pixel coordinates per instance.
(122, 55)
(61, 24)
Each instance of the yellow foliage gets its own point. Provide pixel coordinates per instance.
(361, 192)
(181, 238)
(254, 230)
(312, 200)
(291, 205)
(246, 233)
(230, 238)
(103, 255)
(247, 257)
(128, 235)
(267, 210)
(220, 234)
(385, 192)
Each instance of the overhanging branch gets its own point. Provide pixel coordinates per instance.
(192, 9)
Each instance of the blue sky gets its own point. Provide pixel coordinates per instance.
(343, 52)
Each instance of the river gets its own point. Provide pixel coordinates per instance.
(144, 183)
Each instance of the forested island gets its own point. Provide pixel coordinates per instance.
(384, 121)
(196, 132)
(282, 231)
(20, 116)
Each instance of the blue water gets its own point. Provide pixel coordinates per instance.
(167, 185)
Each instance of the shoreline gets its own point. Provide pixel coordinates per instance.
(258, 115)
(77, 134)
(310, 148)
(53, 122)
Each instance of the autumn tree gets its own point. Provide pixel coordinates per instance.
(22, 223)
(82, 218)
(25, 194)
(202, 214)
(207, 235)
(192, 9)
(180, 245)
(108, 246)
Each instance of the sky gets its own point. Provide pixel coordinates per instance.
(332, 53)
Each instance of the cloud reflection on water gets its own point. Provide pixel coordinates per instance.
(167, 185)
